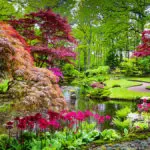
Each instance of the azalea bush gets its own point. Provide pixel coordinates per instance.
(57, 72)
(64, 130)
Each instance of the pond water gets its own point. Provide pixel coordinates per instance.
(96, 106)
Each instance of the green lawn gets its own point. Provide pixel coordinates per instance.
(122, 92)
(142, 79)
(122, 82)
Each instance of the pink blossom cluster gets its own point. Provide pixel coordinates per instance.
(144, 48)
(57, 72)
(144, 106)
(54, 120)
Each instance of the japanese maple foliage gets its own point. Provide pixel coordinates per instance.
(144, 48)
(49, 36)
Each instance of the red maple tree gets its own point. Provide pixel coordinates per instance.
(144, 48)
(49, 37)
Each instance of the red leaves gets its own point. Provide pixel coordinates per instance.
(144, 48)
(47, 28)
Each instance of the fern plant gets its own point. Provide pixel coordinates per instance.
(122, 113)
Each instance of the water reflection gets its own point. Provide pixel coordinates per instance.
(103, 108)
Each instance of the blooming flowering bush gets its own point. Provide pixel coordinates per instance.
(54, 120)
(144, 48)
(144, 106)
(57, 72)
(52, 126)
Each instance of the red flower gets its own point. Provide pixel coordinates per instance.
(10, 123)
(144, 100)
(43, 123)
(80, 116)
(54, 124)
(22, 124)
(38, 116)
(88, 113)
(53, 115)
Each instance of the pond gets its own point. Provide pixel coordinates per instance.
(96, 106)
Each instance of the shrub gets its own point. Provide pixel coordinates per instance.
(69, 70)
(130, 68)
(140, 125)
(102, 70)
(100, 93)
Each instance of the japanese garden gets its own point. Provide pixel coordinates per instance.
(74, 74)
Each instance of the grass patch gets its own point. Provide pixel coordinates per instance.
(122, 82)
(141, 79)
(123, 93)
(148, 87)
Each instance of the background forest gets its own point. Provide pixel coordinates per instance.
(107, 31)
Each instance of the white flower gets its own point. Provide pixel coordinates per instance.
(133, 116)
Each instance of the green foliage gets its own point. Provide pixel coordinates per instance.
(110, 134)
(130, 68)
(112, 59)
(120, 121)
(140, 126)
(5, 107)
(126, 132)
(69, 70)
(144, 65)
(59, 140)
(4, 86)
(121, 125)
(122, 113)
(101, 70)
(101, 93)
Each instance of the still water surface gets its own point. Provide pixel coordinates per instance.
(96, 106)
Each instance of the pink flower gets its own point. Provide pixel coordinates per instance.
(70, 115)
(137, 127)
(107, 117)
(139, 106)
(54, 124)
(88, 113)
(43, 123)
(144, 100)
(53, 115)
(145, 109)
(80, 116)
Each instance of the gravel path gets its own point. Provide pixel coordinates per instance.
(132, 145)
(141, 88)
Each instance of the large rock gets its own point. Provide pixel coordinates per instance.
(29, 88)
